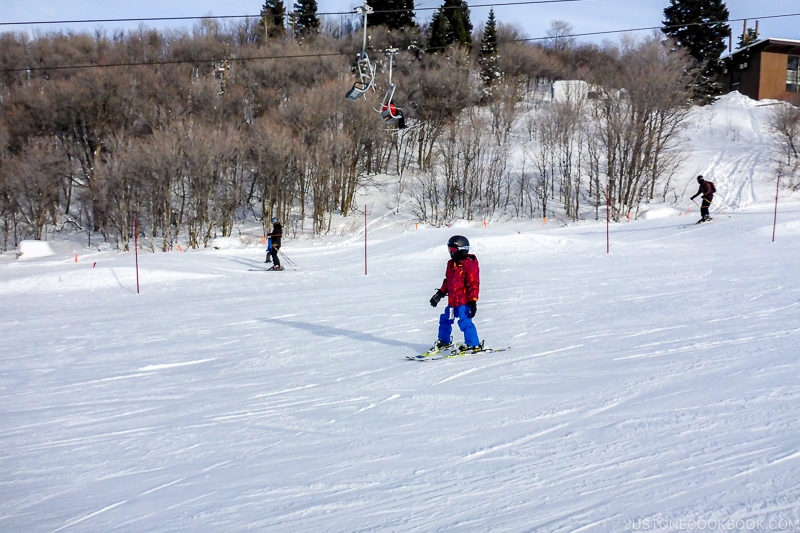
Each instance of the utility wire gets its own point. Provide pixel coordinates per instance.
(170, 62)
(527, 2)
(224, 17)
(670, 26)
(332, 54)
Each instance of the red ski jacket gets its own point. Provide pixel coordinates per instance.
(462, 282)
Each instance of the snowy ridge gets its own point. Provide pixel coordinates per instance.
(651, 388)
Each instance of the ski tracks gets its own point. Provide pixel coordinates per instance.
(501, 358)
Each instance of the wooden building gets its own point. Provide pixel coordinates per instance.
(768, 68)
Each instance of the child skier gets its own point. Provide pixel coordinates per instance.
(461, 286)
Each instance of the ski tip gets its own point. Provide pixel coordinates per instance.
(423, 357)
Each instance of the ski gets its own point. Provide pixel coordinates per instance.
(434, 353)
(698, 223)
(463, 353)
(271, 269)
(451, 353)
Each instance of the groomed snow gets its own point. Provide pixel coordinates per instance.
(654, 387)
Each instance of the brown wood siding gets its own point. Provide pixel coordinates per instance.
(759, 71)
(773, 75)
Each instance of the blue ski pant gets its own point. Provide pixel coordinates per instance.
(464, 324)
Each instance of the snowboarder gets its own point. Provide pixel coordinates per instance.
(461, 285)
(275, 240)
(707, 191)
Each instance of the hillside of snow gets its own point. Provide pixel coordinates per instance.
(654, 387)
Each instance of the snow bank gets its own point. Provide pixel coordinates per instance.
(660, 212)
(227, 243)
(570, 90)
(34, 249)
(60, 280)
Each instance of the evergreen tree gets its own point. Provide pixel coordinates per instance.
(700, 27)
(451, 24)
(273, 19)
(749, 37)
(438, 40)
(305, 17)
(394, 14)
(488, 52)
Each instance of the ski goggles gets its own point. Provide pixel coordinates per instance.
(455, 249)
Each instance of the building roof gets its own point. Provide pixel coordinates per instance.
(780, 46)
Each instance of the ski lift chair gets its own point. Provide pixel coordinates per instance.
(366, 70)
(366, 78)
(389, 111)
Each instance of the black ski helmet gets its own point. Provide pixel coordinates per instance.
(700, 179)
(458, 246)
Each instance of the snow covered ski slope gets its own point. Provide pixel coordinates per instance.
(657, 382)
(654, 387)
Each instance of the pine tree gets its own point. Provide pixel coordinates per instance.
(451, 24)
(305, 17)
(457, 13)
(394, 14)
(749, 37)
(488, 52)
(700, 27)
(273, 19)
(438, 39)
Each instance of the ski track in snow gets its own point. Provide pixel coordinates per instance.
(654, 383)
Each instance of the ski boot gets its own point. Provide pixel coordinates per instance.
(472, 349)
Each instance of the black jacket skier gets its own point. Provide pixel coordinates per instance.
(706, 190)
(275, 238)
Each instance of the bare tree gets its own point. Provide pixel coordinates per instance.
(638, 118)
(559, 35)
(444, 89)
(524, 65)
(8, 211)
(214, 126)
(786, 123)
(35, 176)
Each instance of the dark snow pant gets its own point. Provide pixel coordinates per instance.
(704, 205)
(273, 253)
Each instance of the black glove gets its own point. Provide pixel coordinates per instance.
(693, 197)
(436, 298)
(473, 308)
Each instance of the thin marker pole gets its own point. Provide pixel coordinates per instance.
(608, 217)
(136, 250)
(775, 217)
(365, 239)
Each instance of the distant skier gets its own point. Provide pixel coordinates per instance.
(275, 238)
(461, 285)
(707, 191)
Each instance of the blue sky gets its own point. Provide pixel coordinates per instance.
(585, 16)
